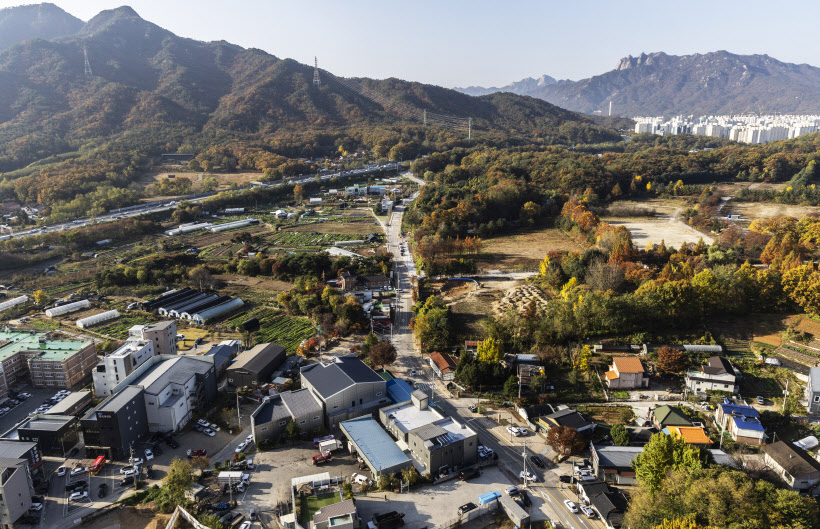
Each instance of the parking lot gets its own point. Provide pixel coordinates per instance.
(20, 412)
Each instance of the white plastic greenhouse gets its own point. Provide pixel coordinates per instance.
(85, 323)
(69, 307)
(231, 225)
(219, 310)
(13, 302)
(188, 228)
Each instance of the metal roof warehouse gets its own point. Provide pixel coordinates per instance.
(375, 446)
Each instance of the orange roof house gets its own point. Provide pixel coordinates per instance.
(627, 372)
(693, 435)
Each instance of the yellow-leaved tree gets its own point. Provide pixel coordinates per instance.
(489, 351)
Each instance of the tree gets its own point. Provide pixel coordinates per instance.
(627, 415)
(298, 193)
(410, 475)
(179, 480)
(209, 184)
(347, 489)
(200, 277)
(620, 435)
(664, 453)
(292, 430)
(680, 523)
(489, 351)
(369, 341)
(200, 462)
(40, 297)
(383, 353)
(671, 360)
(511, 386)
(565, 441)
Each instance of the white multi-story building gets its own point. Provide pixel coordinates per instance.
(115, 367)
(745, 129)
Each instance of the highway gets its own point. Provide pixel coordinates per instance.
(164, 205)
(548, 488)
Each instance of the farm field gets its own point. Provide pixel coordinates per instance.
(276, 327)
(646, 230)
(308, 238)
(524, 250)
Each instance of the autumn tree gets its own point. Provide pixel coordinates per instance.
(565, 441)
(661, 454)
(620, 435)
(489, 351)
(671, 360)
(179, 480)
(40, 297)
(292, 430)
(200, 277)
(511, 386)
(681, 523)
(383, 353)
(298, 193)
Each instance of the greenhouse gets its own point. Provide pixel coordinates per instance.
(65, 309)
(219, 310)
(90, 321)
(13, 302)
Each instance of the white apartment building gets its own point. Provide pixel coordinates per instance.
(114, 368)
(744, 129)
(163, 334)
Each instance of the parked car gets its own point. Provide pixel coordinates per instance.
(76, 485)
(61, 471)
(215, 427)
(524, 499)
(128, 471)
(197, 452)
(473, 409)
(77, 496)
(589, 513)
(467, 507)
(527, 476)
(241, 447)
(359, 478)
(249, 440)
(537, 461)
(565, 479)
(149, 455)
(199, 428)
(36, 507)
(127, 480)
(246, 524)
(761, 401)
(137, 461)
(571, 506)
(512, 491)
(203, 423)
(209, 432)
(78, 471)
(470, 474)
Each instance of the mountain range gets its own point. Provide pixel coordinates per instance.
(523, 87)
(151, 88)
(659, 84)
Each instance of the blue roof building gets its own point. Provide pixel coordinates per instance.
(741, 422)
(376, 448)
(398, 390)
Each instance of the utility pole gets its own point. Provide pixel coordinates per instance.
(519, 383)
(469, 129)
(524, 455)
(238, 415)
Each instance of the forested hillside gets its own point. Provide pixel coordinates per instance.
(152, 91)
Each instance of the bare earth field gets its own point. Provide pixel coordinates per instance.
(763, 210)
(645, 231)
(355, 227)
(524, 249)
(225, 180)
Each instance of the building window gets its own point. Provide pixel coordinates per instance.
(352, 404)
(282, 423)
(262, 429)
(316, 418)
(379, 394)
(817, 398)
(301, 422)
(335, 407)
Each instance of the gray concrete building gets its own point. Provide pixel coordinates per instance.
(117, 423)
(55, 435)
(256, 365)
(163, 334)
(16, 490)
(347, 387)
(443, 445)
(271, 418)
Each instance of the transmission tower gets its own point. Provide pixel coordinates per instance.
(316, 81)
(87, 64)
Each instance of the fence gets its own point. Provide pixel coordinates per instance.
(468, 516)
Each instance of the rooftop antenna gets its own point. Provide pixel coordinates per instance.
(316, 81)
(87, 64)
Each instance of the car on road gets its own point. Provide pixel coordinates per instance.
(467, 507)
(485, 452)
(565, 479)
(761, 401)
(61, 471)
(571, 506)
(137, 461)
(36, 507)
(589, 513)
(527, 476)
(196, 452)
(537, 461)
(473, 409)
(240, 447)
(512, 491)
(77, 496)
(128, 471)
(127, 480)
(246, 524)
(249, 440)
(103, 490)
(149, 455)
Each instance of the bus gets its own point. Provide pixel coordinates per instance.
(98, 464)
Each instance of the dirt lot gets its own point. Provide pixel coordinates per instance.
(225, 180)
(646, 230)
(140, 517)
(362, 227)
(525, 249)
(762, 210)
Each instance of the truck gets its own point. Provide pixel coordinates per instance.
(233, 477)
(329, 445)
(320, 459)
(388, 520)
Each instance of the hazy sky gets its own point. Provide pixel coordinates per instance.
(477, 42)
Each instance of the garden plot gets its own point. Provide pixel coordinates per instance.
(519, 297)
(673, 233)
(309, 238)
(276, 327)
